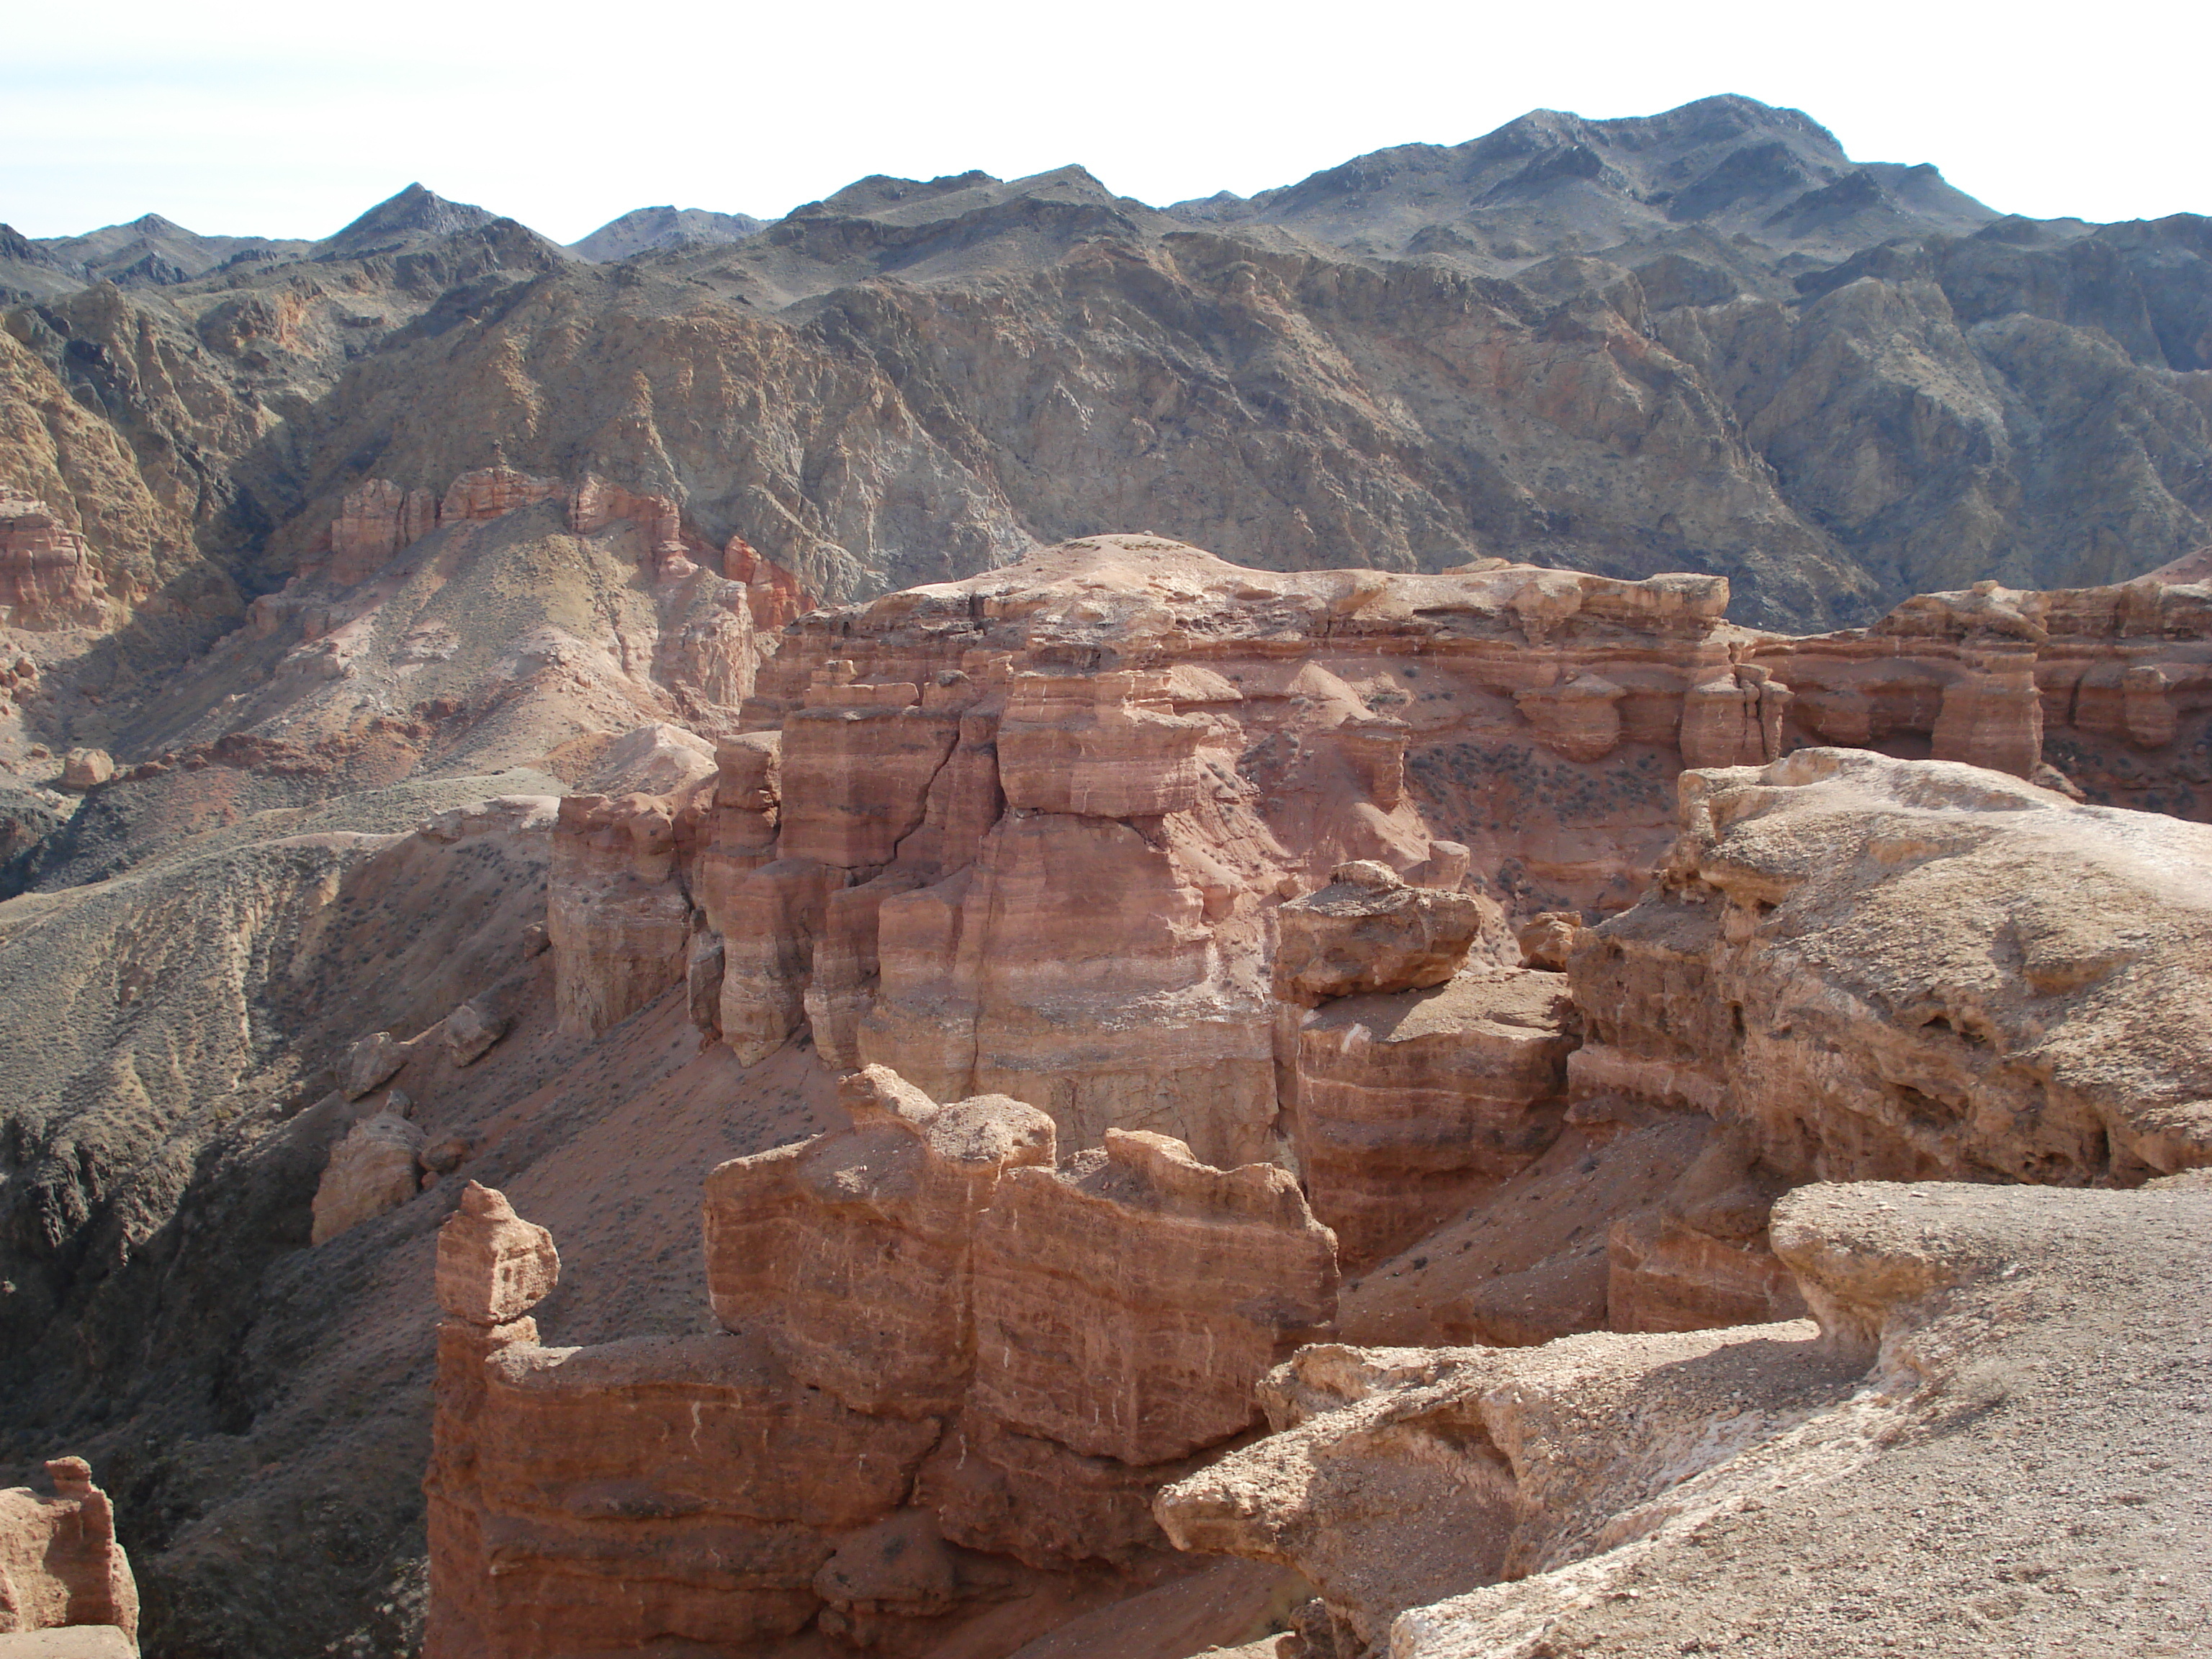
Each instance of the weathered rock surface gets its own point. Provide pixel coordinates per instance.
(616, 911)
(1412, 1104)
(1903, 970)
(376, 1166)
(1369, 931)
(493, 1265)
(370, 1063)
(60, 1565)
(1126, 1305)
(594, 538)
(934, 1343)
(855, 1254)
(1985, 1356)
(48, 577)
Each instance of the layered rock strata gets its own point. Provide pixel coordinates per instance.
(48, 577)
(1410, 1105)
(379, 518)
(936, 1346)
(1033, 832)
(2111, 686)
(616, 911)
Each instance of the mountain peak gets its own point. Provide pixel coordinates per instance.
(649, 229)
(415, 211)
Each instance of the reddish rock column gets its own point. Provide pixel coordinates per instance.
(493, 1267)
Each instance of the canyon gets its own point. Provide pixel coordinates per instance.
(663, 993)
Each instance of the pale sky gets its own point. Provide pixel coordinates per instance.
(247, 116)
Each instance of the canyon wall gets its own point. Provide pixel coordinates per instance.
(1312, 874)
(936, 1325)
(1054, 833)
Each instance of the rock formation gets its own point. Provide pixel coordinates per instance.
(1901, 971)
(1411, 1105)
(933, 1340)
(855, 1253)
(1364, 944)
(377, 1165)
(378, 520)
(60, 1565)
(1856, 1484)
(615, 912)
(48, 578)
(1367, 930)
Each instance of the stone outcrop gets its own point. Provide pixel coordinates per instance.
(1367, 930)
(493, 1265)
(854, 1252)
(1412, 1104)
(48, 576)
(60, 1566)
(375, 1168)
(1125, 1306)
(937, 1350)
(1053, 833)
(2113, 685)
(1906, 971)
(617, 909)
(379, 518)
(1034, 834)
(375, 521)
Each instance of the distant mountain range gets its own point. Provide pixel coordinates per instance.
(1705, 339)
(151, 252)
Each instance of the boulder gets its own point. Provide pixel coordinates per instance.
(1367, 930)
(493, 1265)
(375, 1168)
(87, 769)
(471, 1032)
(1547, 939)
(370, 1063)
